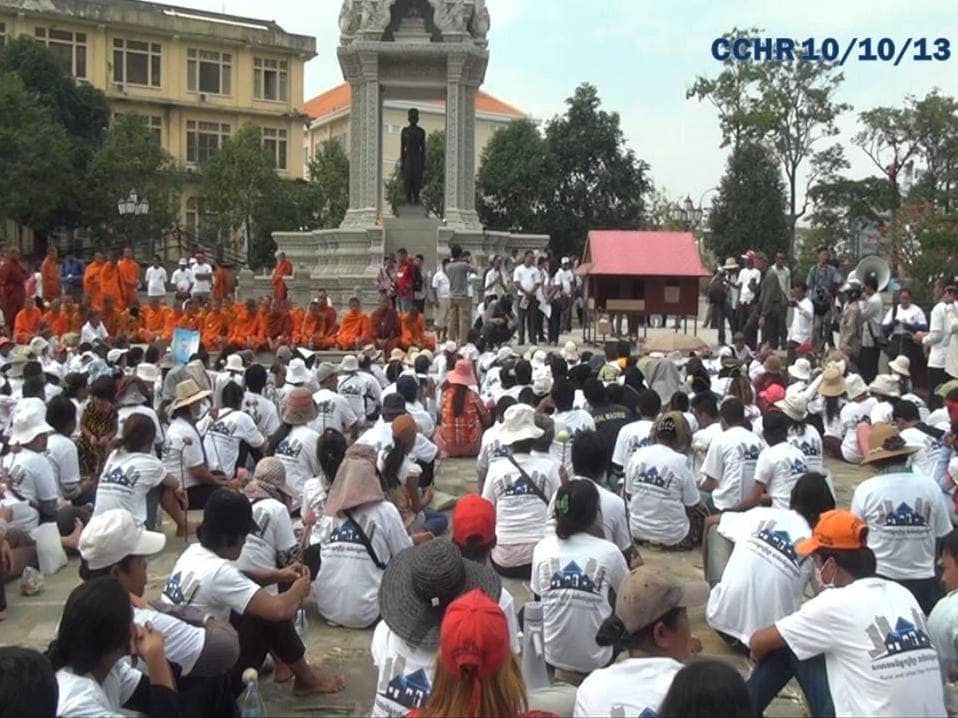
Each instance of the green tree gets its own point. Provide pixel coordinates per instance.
(750, 209)
(433, 191)
(132, 159)
(34, 154)
(328, 187)
(889, 138)
(237, 185)
(599, 180)
(936, 131)
(841, 207)
(516, 176)
(927, 239)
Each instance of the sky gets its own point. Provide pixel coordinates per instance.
(642, 55)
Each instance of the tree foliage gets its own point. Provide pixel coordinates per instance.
(750, 209)
(328, 186)
(843, 207)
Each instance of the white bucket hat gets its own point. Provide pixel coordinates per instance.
(801, 370)
(324, 371)
(886, 385)
(449, 347)
(296, 372)
(793, 406)
(519, 424)
(900, 365)
(29, 421)
(855, 386)
(148, 372)
(505, 353)
(234, 363)
(570, 352)
(113, 535)
(349, 364)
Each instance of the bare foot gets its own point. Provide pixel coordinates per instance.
(73, 540)
(321, 682)
(282, 673)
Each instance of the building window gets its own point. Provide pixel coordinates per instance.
(192, 214)
(208, 71)
(274, 142)
(270, 79)
(68, 47)
(154, 123)
(136, 62)
(203, 139)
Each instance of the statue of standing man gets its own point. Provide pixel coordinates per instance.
(413, 157)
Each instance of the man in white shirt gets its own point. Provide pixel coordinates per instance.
(494, 285)
(729, 466)
(943, 621)
(564, 279)
(942, 327)
(93, 331)
(803, 318)
(747, 283)
(332, 409)
(202, 277)
(182, 280)
(440, 285)
(528, 280)
(860, 647)
(156, 278)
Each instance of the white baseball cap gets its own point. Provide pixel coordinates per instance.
(113, 535)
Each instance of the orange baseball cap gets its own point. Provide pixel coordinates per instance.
(837, 529)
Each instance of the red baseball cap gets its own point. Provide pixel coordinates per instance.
(473, 641)
(473, 516)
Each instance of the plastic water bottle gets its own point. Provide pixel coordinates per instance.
(251, 703)
(300, 624)
(534, 670)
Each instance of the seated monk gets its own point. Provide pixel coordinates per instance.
(354, 332)
(213, 334)
(153, 320)
(413, 331)
(27, 323)
(176, 319)
(279, 325)
(384, 323)
(328, 341)
(242, 327)
(110, 315)
(74, 313)
(309, 329)
(296, 315)
(128, 322)
(57, 319)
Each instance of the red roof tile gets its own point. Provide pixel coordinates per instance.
(648, 254)
(339, 98)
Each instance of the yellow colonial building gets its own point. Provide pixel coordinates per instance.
(197, 76)
(329, 120)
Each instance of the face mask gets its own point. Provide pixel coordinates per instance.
(821, 581)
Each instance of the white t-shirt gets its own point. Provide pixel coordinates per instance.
(615, 522)
(347, 587)
(125, 412)
(520, 513)
(156, 279)
(878, 656)
(211, 584)
(182, 642)
(202, 286)
(380, 436)
(573, 577)
(182, 279)
(440, 282)
(90, 334)
(182, 451)
(262, 411)
(272, 545)
(882, 413)
(631, 437)
(62, 455)
(809, 442)
(701, 440)
(315, 492)
(803, 315)
(905, 514)
(298, 454)
(633, 687)
(32, 477)
(943, 631)
(405, 674)
(575, 421)
(359, 393)
(731, 460)
(84, 697)
(126, 480)
(764, 578)
(333, 412)
(223, 439)
(745, 276)
(659, 485)
(852, 414)
(778, 468)
(927, 461)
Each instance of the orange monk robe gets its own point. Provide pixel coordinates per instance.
(50, 278)
(129, 275)
(77, 320)
(354, 331)
(27, 325)
(309, 330)
(58, 321)
(243, 328)
(176, 319)
(297, 314)
(279, 327)
(153, 322)
(92, 289)
(328, 340)
(214, 330)
(110, 285)
(283, 269)
(223, 283)
(413, 333)
(128, 325)
(110, 319)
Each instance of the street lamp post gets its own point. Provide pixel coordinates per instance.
(135, 206)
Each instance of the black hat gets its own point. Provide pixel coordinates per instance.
(393, 405)
(227, 513)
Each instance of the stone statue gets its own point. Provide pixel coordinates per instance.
(412, 157)
(450, 15)
(480, 22)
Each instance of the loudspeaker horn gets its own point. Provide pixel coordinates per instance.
(874, 266)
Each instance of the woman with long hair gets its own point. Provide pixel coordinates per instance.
(463, 415)
(828, 404)
(741, 388)
(400, 476)
(476, 673)
(96, 631)
(330, 450)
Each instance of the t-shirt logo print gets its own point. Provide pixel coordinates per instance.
(179, 589)
(905, 515)
(779, 540)
(290, 448)
(651, 475)
(523, 487)
(906, 636)
(572, 576)
(409, 691)
(118, 476)
(749, 452)
(221, 427)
